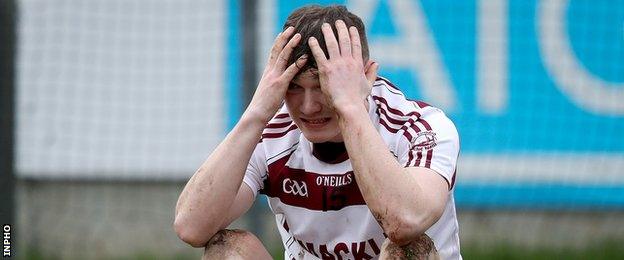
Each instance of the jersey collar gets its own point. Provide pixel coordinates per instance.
(330, 152)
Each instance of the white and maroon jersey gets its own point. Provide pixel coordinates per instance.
(318, 206)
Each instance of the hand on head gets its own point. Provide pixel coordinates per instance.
(343, 76)
(346, 78)
(277, 75)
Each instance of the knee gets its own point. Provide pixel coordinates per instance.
(421, 248)
(235, 244)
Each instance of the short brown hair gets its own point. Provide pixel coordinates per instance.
(308, 20)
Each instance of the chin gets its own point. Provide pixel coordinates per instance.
(322, 137)
(313, 138)
(329, 133)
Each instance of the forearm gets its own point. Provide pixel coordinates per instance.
(394, 197)
(403, 205)
(206, 198)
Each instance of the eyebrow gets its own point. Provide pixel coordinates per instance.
(310, 75)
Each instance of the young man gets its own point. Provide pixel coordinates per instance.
(348, 163)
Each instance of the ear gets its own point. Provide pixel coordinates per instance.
(370, 70)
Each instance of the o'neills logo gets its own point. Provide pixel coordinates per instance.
(424, 141)
(334, 181)
(295, 188)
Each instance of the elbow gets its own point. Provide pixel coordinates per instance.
(401, 232)
(408, 227)
(191, 234)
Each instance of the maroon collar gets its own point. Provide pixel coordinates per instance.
(329, 152)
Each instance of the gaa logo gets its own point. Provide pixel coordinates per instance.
(295, 188)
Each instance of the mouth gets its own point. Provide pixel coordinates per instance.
(316, 122)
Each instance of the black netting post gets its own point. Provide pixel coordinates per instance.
(7, 109)
(249, 38)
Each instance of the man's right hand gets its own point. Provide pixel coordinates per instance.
(276, 77)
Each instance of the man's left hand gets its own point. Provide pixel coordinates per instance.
(343, 77)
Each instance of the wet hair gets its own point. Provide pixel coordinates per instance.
(308, 20)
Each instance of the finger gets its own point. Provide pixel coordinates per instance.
(371, 73)
(317, 52)
(356, 45)
(343, 38)
(294, 68)
(278, 44)
(330, 41)
(283, 57)
(272, 53)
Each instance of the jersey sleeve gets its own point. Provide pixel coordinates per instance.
(433, 143)
(256, 170)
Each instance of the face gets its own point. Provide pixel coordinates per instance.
(310, 110)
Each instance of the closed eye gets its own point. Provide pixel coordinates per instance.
(294, 88)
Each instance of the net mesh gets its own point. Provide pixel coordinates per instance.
(130, 95)
(119, 89)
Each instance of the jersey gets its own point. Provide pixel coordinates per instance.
(318, 207)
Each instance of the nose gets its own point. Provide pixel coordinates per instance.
(311, 102)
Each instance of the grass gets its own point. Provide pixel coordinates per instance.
(602, 250)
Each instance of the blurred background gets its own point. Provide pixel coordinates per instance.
(107, 107)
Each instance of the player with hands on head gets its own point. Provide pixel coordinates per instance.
(348, 162)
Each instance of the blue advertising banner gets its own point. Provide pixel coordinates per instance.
(535, 88)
